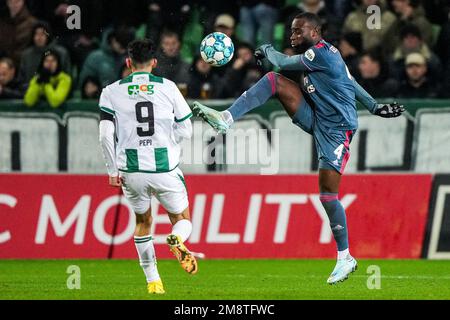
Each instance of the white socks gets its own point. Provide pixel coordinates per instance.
(182, 228)
(343, 254)
(227, 117)
(147, 257)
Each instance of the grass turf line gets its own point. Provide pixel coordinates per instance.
(224, 279)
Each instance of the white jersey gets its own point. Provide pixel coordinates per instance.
(145, 108)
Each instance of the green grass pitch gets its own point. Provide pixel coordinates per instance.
(224, 279)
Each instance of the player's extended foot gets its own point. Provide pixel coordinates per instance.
(184, 256)
(212, 117)
(343, 268)
(155, 287)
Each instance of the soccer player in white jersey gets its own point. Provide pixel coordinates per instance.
(143, 120)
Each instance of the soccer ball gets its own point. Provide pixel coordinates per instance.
(217, 49)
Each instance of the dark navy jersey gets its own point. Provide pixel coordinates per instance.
(327, 82)
(330, 86)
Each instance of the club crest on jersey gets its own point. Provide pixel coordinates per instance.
(134, 89)
(310, 55)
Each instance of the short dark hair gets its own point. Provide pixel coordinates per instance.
(410, 29)
(374, 55)
(313, 19)
(47, 29)
(141, 51)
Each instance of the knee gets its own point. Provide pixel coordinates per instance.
(144, 220)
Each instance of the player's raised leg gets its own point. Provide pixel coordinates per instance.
(329, 181)
(181, 230)
(146, 251)
(272, 84)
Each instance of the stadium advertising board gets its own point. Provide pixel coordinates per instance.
(437, 238)
(234, 216)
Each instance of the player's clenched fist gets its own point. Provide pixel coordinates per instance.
(391, 110)
(260, 54)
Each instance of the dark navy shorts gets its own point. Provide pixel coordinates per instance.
(332, 145)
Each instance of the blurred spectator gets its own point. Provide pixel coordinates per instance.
(408, 12)
(91, 88)
(167, 15)
(350, 47)
(10, 88)
(417, 84)
(374, 77)
(79, 42)
(242, 74)
(170, 65)
(356, 21)
(51, 82)
(42, 41)
(15, 29)
(258, 16)
(202, 82)
(411, 41)
(225, 23)
(104, 64)
(290, 12)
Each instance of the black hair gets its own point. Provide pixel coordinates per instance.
(313, 19)
(56, 55)
(374, 55)
(47, 29)
(141, 51)
(410, 29)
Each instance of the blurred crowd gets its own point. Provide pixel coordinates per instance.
(408, 56)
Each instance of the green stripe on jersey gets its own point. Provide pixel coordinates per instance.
(107, 110)
(132, 159)
(161, 159)
(185, 118)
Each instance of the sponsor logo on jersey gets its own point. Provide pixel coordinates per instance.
(133, 90)
(311, 89)
(310, 55)
(333, 49)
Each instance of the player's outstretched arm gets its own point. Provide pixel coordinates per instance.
(279, 59)
(391, 110)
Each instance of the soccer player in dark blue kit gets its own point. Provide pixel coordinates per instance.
(328, 114)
